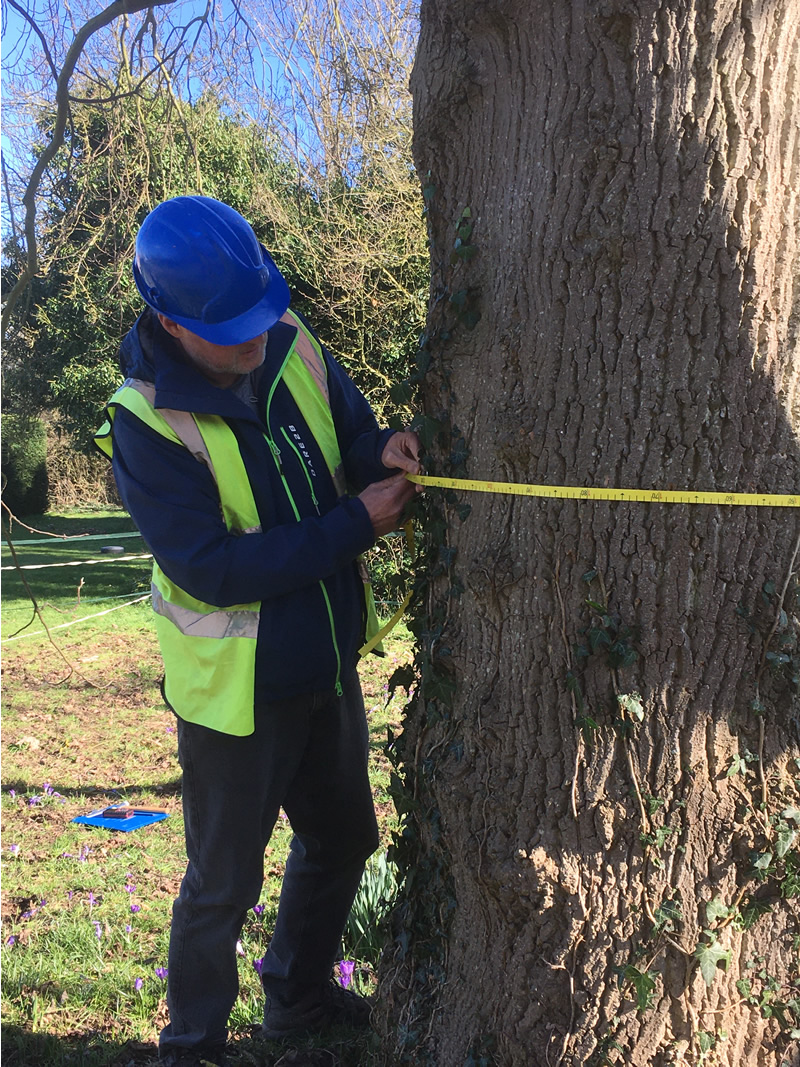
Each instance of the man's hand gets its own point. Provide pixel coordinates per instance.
(402, 450)
(386, 500)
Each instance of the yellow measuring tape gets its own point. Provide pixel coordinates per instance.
(647, 496)
(390, 625)
(572, 492)
(386, 629)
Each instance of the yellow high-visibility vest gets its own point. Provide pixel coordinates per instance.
(209, 652)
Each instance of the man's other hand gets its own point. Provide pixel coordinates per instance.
(402, 451)
(386, 500)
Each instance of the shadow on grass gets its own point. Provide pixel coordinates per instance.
(96, 794)
(21, 1048)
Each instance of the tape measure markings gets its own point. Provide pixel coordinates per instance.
(647, 496)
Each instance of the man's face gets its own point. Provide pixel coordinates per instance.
(221, 364)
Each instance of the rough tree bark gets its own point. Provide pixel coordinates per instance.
(613, 186)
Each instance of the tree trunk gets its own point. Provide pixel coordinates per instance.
(599, 769)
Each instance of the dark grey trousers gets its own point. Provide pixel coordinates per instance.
(308, 755)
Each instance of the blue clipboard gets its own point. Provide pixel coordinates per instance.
(131, 822)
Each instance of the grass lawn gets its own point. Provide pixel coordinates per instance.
(86, 911)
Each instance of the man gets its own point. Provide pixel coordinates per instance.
(233, 442)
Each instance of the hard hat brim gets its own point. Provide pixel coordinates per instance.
(251, 323)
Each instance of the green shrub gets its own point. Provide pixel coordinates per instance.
(24, 464)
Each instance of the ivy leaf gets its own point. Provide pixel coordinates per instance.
(710, 956)
(778, 658)
(447, 554)
(459, 452)
(403, 677)
(632, 704)
(706, 1040)
(643, 983)
(598, 637)
(785, 840)
(667, 914)
(440, 688)
(791, 813)
(716, 909)
(751, 912)
(427, 428)
(629, 657)
(470, 318)
(401, 392)
(738, 766)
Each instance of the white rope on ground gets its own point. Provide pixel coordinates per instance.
(70, 538)
(73, 563)
(74, 622)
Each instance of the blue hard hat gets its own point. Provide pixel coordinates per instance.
(198, 262)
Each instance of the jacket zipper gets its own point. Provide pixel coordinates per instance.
(304, 466)
(276, 455)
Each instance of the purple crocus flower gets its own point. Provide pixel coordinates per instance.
(259, 909)
(11, 940)
(47, 789)
(135, 908)
(137, 985)
(346, 968)
(128, 928)
(12, 792)
(162, 972)
(258, 966)
(98, 930)
(13, 848)
(130, 888)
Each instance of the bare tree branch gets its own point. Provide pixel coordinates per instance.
(45, 47)
(107, 16)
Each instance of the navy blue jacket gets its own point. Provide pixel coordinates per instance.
(174, 502)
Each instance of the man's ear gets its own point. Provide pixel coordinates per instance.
(171, 327)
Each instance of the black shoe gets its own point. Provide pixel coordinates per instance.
(336, 1007)
(194, 1057)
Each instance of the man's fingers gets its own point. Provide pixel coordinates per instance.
(403, 450)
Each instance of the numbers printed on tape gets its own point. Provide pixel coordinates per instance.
(647, 496)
